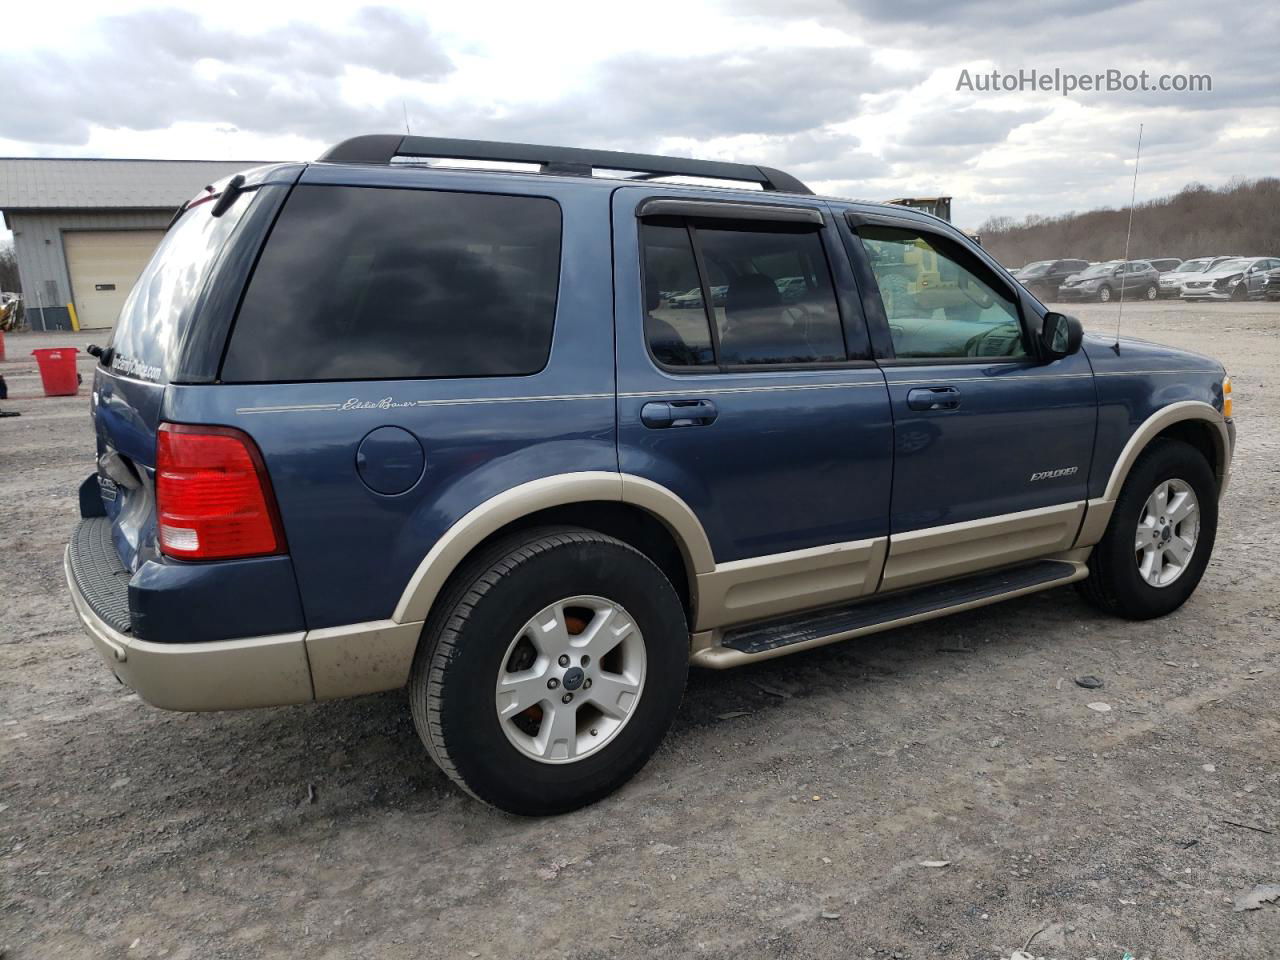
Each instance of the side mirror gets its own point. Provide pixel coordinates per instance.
(1117, 271)
(1060, 336)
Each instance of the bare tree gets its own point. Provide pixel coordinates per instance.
(9, 271)
(1241, 218)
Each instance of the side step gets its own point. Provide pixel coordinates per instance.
(771, 638)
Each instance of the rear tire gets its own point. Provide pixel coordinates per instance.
(1122, 580)
(466, 682)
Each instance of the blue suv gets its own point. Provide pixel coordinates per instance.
(372, 423)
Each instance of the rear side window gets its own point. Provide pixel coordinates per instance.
(771, 300)
(364, 283)
(674, 321)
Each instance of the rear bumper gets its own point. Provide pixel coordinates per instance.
(178, 673)
(220, 675)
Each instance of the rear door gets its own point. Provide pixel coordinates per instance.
(992, 446)
(764, 412)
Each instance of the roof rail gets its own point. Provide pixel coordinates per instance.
(565, 161)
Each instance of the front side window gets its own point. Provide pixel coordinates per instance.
(939, 302)
(365, 283)
(771, 299)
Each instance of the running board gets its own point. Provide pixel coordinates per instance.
(773, 638)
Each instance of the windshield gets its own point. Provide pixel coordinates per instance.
(1099, 269)
(1035, 269)
(157, 311)
(1231, 265)
(1194, 266)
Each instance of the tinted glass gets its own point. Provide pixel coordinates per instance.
(675, 321)
(365, 283)
(158, 309)
(771, 297)
(939, 303)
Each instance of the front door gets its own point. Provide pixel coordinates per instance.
(746, 387)
(992, 447)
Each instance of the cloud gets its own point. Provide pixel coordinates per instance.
(855, 96)
(638, 99)
(968, 127)
(154, 68)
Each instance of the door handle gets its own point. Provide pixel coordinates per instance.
(660, 414)
(933, 398)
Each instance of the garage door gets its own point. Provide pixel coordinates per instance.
(103, 266)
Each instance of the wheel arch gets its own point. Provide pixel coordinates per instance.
(639, 512)
(1192, 421)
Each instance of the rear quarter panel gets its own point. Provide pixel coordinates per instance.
(355, 550)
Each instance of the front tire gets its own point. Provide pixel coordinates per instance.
(1160, 536)
(1152, 292)
(1241, 293)
(551, 671)
(1104, 294)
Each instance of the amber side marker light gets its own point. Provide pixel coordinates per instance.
(1226, 396)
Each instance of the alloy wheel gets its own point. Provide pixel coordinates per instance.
(1168, 529)
(571, 679)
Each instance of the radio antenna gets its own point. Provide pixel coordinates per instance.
(1128, 233)
(405, 107)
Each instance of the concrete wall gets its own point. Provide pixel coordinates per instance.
(42, 261)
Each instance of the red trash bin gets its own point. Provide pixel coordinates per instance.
(58, 371)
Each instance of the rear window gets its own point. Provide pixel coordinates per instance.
(158, 310)
(366, 283)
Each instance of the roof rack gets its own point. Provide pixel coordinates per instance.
(564, 161)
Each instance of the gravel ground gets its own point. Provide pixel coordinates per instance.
(787, 815)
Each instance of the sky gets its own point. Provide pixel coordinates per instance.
(871, 99)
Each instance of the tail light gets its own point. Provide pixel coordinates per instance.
(213, 495)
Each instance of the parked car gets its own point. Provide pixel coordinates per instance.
(692, 299)
(1044, 277)
(1271, 286)
(484, 460)
(1103, 281)
(792, 288)
(1240, 278)
(1171, 282)
(1163, 264)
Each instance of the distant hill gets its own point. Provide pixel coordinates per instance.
(1241, 218)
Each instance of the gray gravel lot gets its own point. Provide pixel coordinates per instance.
(795, 830)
